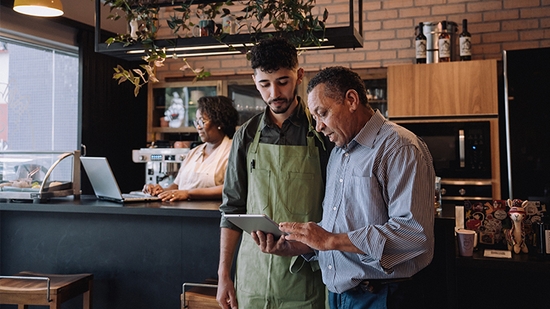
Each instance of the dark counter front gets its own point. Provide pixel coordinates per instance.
(140, 253)
(487, 282)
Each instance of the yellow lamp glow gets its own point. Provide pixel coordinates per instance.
(41, 8)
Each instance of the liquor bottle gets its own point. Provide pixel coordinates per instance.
(444, 43)
(420, 43)
(542, 236)
(465, 42)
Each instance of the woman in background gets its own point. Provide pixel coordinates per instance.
(202, 172)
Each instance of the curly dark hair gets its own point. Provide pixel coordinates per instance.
(338, 80)
(271, 54)
(221, 112)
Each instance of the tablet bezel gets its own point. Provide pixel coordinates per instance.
(255, 222)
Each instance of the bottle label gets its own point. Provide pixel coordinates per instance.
(465, 46)
(547, 241)
(444, 48)
(420, 49)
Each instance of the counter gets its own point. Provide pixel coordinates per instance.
(484, 282)
(140, 253)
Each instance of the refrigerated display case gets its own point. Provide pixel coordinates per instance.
(37, 176)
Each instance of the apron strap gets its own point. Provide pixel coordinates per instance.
(311, 133)
(256, 141)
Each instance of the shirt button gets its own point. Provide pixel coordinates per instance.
(346, 154)
(334, 208)
(341, 180)
(330, 267)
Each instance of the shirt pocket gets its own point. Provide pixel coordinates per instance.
(365, 194)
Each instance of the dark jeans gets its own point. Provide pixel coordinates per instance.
(397, 295)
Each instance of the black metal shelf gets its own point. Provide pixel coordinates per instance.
(338, 37)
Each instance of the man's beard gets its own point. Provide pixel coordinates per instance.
(286, 106)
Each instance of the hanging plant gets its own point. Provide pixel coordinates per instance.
(143, 15)
(291, 18)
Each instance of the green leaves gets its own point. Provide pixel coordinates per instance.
(264, 18)
(199, 73)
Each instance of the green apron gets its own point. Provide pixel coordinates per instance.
(285, 182)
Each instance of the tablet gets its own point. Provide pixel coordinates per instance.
(255, 222)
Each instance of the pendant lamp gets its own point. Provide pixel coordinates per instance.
(41, 8)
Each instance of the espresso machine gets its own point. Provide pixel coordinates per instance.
(161, 164)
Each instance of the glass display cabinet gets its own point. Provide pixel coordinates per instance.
(247, 99)
(38, 176)
(172, 106)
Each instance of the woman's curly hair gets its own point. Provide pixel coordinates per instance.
(221, 112)
(271, 54)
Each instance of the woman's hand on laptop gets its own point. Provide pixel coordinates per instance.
(152, 189)
(174, 195)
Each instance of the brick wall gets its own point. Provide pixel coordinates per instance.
(388, 32)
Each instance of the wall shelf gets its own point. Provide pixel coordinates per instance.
(349, 36)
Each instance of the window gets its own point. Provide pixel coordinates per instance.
(39, 91)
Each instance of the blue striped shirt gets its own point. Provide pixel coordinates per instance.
(380, 191)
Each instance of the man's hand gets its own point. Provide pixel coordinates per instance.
(226, 296)
(309, 233)
(268, 244)
(314, 236)
(282, 247)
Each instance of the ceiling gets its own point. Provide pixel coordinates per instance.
(84, 11)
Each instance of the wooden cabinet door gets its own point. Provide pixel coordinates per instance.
(443, 89)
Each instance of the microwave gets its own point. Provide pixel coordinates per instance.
(461, 153)
(459, 149)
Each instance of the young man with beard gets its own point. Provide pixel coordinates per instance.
(276, 167)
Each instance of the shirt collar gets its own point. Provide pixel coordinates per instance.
(367, 135)
(294, 118)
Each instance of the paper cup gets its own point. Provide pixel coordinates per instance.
(467, 241)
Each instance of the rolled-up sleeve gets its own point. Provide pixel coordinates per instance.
(235, 188)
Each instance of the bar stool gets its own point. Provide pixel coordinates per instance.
(28, 288)
(200, 296)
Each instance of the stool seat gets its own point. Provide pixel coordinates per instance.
(18, 289)
(200, 296)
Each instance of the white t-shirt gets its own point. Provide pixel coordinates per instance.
(197, 172)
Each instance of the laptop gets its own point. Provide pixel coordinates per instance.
(105, 185)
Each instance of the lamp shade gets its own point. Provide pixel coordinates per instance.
(42, 8)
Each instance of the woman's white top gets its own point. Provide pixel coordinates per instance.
(198, 172)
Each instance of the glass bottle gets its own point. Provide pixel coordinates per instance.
(444, 43)
(420, 43)
(465, 42)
